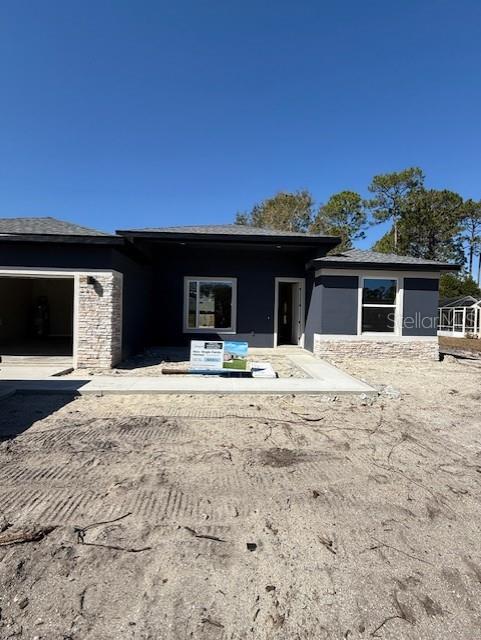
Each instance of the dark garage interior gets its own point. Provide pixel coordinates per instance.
(36, 316)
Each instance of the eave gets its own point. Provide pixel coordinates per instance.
(307, 241)
(381, 266)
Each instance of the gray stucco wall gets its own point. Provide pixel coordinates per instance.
(153, 293)
(420, 306)
(339, 304)
(313, 311)
(153, 282)
(255, 270)
(332, 307)
(137, 281)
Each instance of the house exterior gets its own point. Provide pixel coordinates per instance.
(101, 297)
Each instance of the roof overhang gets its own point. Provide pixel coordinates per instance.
(319, 263)
(260, 239)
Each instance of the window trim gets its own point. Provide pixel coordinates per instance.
(397, 306)
(229, 330)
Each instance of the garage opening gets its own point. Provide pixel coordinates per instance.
(36, 316)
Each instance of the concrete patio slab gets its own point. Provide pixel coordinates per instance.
(104, 385)
(342, 384)
(323, 378)
(31, 371)
(35, 360)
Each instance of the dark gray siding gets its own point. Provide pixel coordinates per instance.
(339, 304)
(136, 330)
(136, 302)
(52, 255)
(255, 270)
(313, 311)
(420, 306)
(332, 307)
(154, 282)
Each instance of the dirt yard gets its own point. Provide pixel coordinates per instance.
(224, 518)
(152, 362)
(469, 345)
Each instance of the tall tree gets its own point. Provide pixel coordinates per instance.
(343, 215)
(455, 286)
(385, 244)
(479, 266)
(284, 212)
(430, 226)
(390, 192)
(471, 230)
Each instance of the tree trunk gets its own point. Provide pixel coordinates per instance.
(479, 269)
(395, 235)
(470, 258)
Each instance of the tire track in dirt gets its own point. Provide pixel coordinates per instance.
(12, 475)
(137, 429)
(65, 505)
(213, 493)
(11, 500)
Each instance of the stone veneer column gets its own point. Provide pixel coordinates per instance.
(99, 320)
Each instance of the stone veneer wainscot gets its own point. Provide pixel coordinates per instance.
(362, 347)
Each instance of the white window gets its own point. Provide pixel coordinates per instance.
(210, 305)
(379, 302)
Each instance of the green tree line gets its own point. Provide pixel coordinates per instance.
(434, 224)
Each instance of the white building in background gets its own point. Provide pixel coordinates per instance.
(460, 317)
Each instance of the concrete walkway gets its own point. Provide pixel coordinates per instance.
(32, 372)
(324, 379)
(102, 385)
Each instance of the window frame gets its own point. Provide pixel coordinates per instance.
(396, 306)
(229, 330)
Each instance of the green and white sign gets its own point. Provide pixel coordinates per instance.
(235, 355)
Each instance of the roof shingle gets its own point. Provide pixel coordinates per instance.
(45, 226)
(225, 229)
(358, 256)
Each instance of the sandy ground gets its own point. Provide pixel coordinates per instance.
(152, 362)
(264, 518)
(472, 345)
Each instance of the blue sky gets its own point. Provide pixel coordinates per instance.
(119, 114)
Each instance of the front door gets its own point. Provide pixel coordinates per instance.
(285, 313)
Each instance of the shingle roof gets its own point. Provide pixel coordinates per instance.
(225, 229)
(375, 257)
(358, 256)
(45, 226)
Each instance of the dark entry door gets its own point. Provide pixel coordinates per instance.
(284, 317)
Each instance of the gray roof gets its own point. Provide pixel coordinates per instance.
(357, 256)
(226, 229)
(45, 226)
